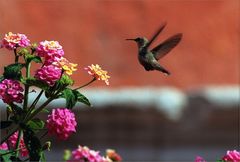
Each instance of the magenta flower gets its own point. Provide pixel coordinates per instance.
(13, 140)
(4, 146)
(10, 91)
(50, 50)
(199, 159)
(61, 123)
(84, 154)
(12, 41)
(49, 74)
(232, 156)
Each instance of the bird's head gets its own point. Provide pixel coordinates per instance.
(141, 41)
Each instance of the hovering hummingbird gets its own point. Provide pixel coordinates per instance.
(149, 58)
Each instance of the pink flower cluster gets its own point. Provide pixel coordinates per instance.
(50, 50)
(10, 91)
(49, 74)
(4, 146)
(84, 154)
(199, 159)
(12, 41)
(61, 123)
(233, 156)
(13, 140)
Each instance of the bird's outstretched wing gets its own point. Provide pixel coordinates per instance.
(165, 47)
(156, 34)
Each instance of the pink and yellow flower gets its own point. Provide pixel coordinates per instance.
(11, 91)
(97, 72)
(82, 154)
(12, 41)
(49, 74)
(66, 65)
(113, 156)
(62, 123)
(232, 156)
(13, 140)
(50, 50)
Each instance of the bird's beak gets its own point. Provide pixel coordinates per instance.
(131, 39)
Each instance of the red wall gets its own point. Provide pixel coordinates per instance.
(94, 32)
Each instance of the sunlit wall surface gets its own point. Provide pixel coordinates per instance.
(144, 115)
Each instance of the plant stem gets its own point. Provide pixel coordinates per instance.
(25, 103)
(34, 104)
(9, 152)
(86, 84)
(18, 142)
(16, 56)
(39, 109)
(12, 131)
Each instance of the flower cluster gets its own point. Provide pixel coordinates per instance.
(50, 50)
(112, 155)
(97, 72)
(12, 41)
(49, 74)
(61, 123)
(65, 65)
(84, 154)
(11, 91)
(231, 156)
(4, 146)
(13, 140)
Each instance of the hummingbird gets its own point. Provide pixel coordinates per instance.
(149, 58)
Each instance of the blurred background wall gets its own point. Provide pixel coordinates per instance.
(144, 115)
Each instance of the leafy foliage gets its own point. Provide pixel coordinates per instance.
(5, 124)
(74, 96)
(35, 82)
(13, 71)
(33, 144)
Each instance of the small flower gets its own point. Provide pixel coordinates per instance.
(112, 155)
(50, 50)
(13, 140)
(61, 123)
(66, 65)
(49, 74)
(4, 146)
(84, 154)
(232, 156)
(199, 159)
(12, 41)
(11, 91)
(97, 72)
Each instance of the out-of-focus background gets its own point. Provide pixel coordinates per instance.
(145, 116)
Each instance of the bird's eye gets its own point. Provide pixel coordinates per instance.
(137, 39)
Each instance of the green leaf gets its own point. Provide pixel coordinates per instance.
(5, 124)
(36, 124)
(66, 155)
(29, 58)
(45, 110)
(13, 71)
(70, 97)
(81, 98)
(1, 78)
(33, 144)
(35, 82)
(6, 157)
(42, 159)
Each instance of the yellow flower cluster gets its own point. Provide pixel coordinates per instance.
(66, 65)
(97, 72)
